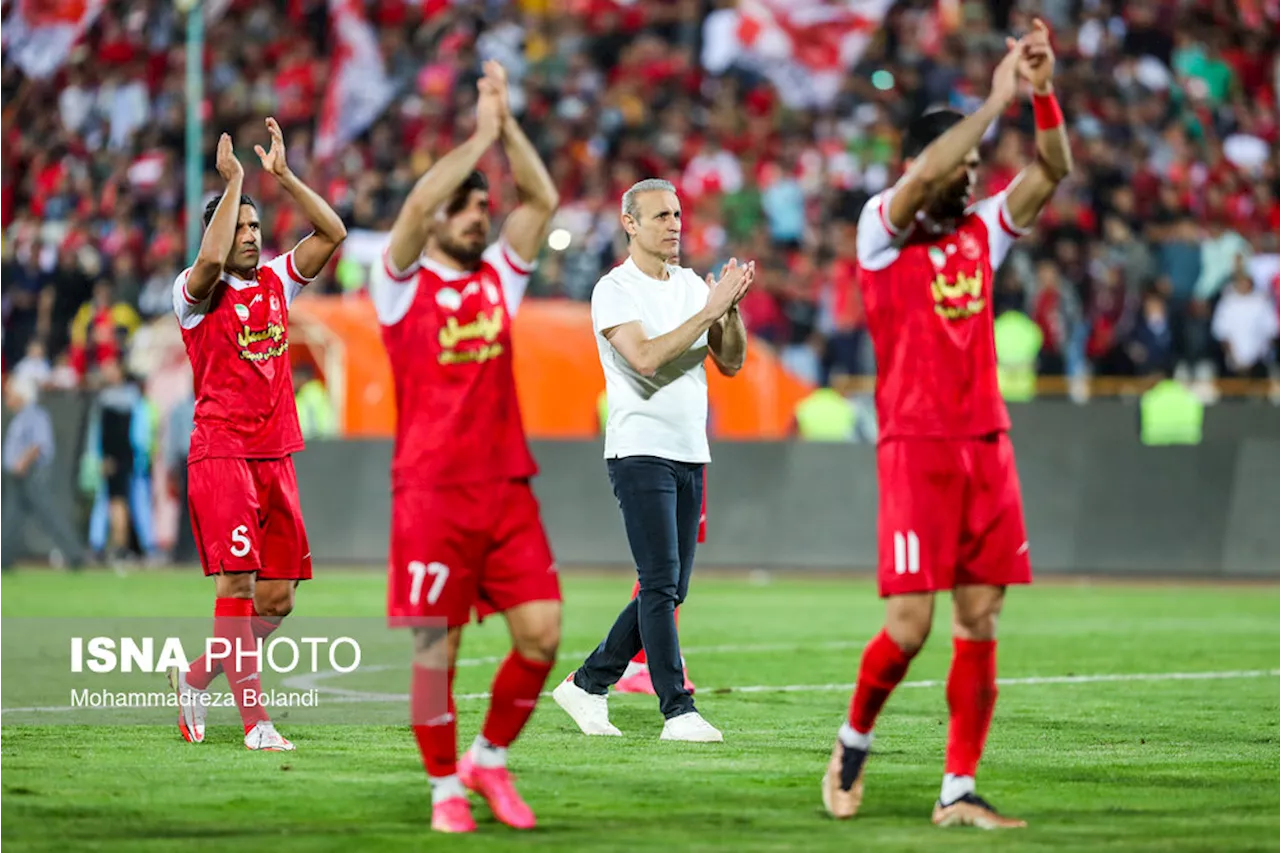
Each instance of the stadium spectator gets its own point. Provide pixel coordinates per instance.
(28, 449)
(100, 330)
(1245, 324)
(1172, 106)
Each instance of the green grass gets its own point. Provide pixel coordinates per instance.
(1124, 765)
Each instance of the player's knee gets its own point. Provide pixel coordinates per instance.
(908, 635)
(541, 643)
(273, 603)
(980, 625)
(909, 628)
(235, 585)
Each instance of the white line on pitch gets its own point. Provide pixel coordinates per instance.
(729, 649)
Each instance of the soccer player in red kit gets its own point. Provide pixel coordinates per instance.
(243, 496)
(950, 516)
(466, 529)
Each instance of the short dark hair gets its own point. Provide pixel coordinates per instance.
(212, 206)
(475, 181)
(923, 130)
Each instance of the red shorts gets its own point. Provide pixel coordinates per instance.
(246, 517)
(478, 546)
(950, 515)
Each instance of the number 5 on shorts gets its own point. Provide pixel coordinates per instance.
(439, 574)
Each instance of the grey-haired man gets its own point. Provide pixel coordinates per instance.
(655, 323)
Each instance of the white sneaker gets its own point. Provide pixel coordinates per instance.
(691, 728)
(192, 706)
(265, 737)
(589, 711)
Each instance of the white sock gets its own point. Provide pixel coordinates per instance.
(487, 755)
(954, 787)
(634, 668)
(445, 788)
(854, 739)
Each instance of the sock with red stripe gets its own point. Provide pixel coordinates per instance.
(971, 697)
(201, 673)
(435, 728)
(883, 666)
(640, 656)
(232, 618)
(516, 688)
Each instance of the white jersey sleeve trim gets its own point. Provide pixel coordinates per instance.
(188, 309)
(877, 238)
(1001, 232)
(292, 280)
(513, 273)
(392, 290)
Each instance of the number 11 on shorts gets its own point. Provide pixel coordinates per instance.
(906, 552)
(439, 574)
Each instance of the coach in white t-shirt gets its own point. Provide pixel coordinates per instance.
(655, 324)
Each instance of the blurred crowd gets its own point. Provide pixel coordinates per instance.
(1161, 249)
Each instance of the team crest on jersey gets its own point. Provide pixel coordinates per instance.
(937, 257)
(491, 291)
(449, 299)
(960, 298)
(242, 311)
(275, 302)
(968, 245)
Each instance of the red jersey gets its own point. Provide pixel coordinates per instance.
(238, 343)
(448, 335)
(928, 302)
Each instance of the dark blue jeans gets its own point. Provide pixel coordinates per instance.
(661, 503)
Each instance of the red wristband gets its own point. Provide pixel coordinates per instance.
(1048, 113)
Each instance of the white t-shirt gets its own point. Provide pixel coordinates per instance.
(663, 415)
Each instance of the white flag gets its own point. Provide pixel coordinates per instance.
(359, 89)
(39, 34)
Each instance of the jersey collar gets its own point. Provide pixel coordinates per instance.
(238, 283)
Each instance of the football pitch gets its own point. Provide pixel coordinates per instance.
(1132, 717)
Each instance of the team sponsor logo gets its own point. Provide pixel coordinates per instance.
(960, 298)
(273, 332)
(484, 329)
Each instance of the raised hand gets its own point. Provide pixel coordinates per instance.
(1037, 61)
(735, 280)
(497, 75)
(1004, 81)
(228, 166)
(274, 161)
(489, 110)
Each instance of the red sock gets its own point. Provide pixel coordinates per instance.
(435, 721)
(971, 696)
(883, 666)
(515, 694)
(640, 657)
(231, 623)
(201, 673)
